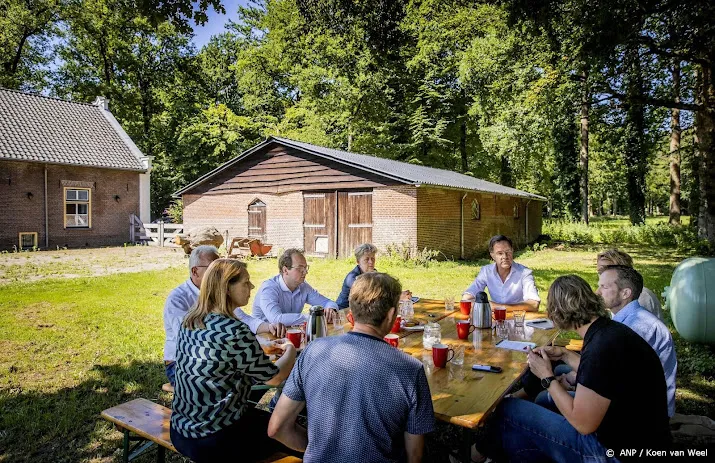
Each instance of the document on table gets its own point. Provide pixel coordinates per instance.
(541, 323)
(520, 346)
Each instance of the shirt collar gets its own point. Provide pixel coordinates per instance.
(511, 271)
(284, 286)
(192, 287)
(627, 310)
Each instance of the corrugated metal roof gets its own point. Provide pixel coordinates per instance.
(37, 128)
(396, 170)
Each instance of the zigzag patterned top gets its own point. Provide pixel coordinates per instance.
(214, 367)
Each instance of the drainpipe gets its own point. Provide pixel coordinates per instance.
(526, 238)
(461, 233)
(47, 225)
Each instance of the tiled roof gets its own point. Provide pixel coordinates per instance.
(37, 128)
(396, 170)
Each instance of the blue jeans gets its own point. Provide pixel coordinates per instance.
(170, 370)
(544, 398)
(525, 432)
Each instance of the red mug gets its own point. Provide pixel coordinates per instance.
(465, 307)
(440, 354)
(392, 339)
(295, 336)
(396, 325)
(464, 328)
(499, 313)
(351, 319)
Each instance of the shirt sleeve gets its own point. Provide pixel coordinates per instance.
(600, 374)
(479, 283)
(530, 293)
(252, 322)
(293, 388)
(250, 358)
(269, 300)
(174, 312)
(420, 419)
(315, 298)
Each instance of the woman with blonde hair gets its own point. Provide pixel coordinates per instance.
(217, 360)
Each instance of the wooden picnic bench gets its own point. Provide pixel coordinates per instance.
(147, 423)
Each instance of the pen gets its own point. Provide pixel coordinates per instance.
(539, 321)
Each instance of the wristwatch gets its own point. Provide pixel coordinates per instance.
(546, 382)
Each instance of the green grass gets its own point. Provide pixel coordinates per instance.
(70, 348)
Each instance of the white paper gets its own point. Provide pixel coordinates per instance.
(541, 323)
(520, 346)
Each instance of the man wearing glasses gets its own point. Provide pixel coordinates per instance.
(184, 296)
(510, 284)
(281, 299)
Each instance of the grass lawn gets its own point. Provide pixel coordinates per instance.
(71, 347)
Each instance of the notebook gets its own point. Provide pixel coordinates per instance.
(520, 346)
(542, 323)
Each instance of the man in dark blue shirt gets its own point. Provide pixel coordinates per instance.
(366, 400)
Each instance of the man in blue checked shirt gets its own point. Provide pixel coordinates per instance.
(366, 400)
(282, 298)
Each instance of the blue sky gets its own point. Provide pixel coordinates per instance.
(216, 21)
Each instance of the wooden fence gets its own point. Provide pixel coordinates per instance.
(154, 234)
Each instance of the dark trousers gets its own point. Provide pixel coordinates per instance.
(247, 440)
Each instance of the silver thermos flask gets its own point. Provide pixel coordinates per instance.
(317, 325)
(482, 311)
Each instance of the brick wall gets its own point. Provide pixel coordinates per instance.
(394, 211)
(229, 213)
(110, 218)
(439, 226)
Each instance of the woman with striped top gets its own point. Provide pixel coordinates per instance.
(217, 361)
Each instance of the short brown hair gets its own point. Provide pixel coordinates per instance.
(372, 296)
(616, 257)
(572, 303)
(286, 259)
(628, 277)
(498, 239)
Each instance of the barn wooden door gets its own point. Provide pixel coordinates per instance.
(319, 224)
(354, 220)
(257, 220)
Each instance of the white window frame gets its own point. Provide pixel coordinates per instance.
(34, 240)
(76, 201)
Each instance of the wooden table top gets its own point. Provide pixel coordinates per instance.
(465, 397)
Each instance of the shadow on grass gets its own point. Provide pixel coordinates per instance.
(65, 425)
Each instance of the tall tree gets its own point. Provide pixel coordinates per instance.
(674, 218)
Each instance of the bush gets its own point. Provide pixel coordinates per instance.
(175, 211)
(405, 252)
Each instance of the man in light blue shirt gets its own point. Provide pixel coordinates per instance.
(184, 296)
(620, 286)
(281, 299)
(510, 284)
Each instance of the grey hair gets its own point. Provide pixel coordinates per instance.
(365, 248)
(198, 253)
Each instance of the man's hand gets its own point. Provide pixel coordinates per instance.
(564, 380)
(539, 364)
(553, 353)
(406, 295)
(277, 329)
(329, 315)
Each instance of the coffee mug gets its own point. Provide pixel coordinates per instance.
(396, 325)
(295, 336)
(464, 328)
(465, 307)
(350, 318)
(392, 339)
(440, 355)
(499, 313)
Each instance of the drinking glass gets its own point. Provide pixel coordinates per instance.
(339, 321)
(449, 303)
(502, 331)
(519, 317)
(458, 358)
(432, 335)
(407, 310)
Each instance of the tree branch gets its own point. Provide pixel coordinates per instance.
(655, 49)
(606, 89)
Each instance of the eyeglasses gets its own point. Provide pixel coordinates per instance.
(200, 266)
(302, 269)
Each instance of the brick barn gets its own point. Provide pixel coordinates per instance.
(69, 175)
(294, 194)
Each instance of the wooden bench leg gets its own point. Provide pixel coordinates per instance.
(130, 453)
(125, 446)
(160, 454)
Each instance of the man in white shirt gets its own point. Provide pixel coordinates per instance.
(281, 299)
(510, 285)
(184, 296)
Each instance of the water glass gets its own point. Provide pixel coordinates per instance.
(407, 310)
(458, 358)
(502, 331)
(339, 321)
(519, 317)
(432, 335)
(449, 303)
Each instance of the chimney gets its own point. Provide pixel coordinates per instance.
(102, 102)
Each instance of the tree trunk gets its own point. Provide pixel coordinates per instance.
(705, 130)
(635, 156)
(506, 176)
(583, 160)
(463, 132)
(675, 150)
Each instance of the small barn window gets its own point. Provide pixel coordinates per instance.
(257, 219)
(78, 203)
(476, 210)
(516, 210)
(321, 244)
(28, 240)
